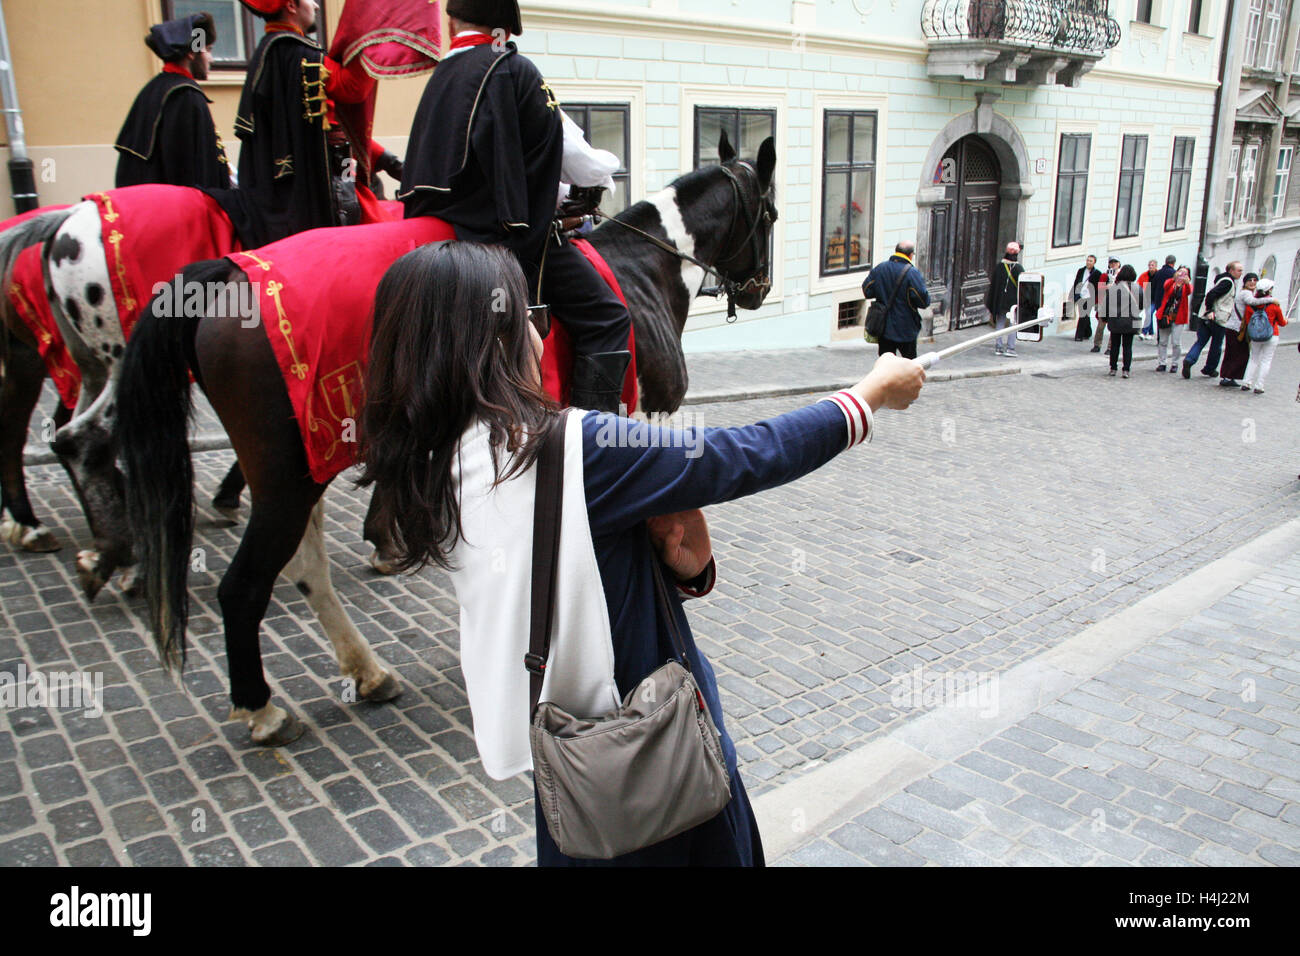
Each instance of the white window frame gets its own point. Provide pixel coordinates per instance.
(706, 312)
(879, 104)
(1140, 176)
(1248, 177)
(1094, 235)
(1270, 34)
(1282, 179)
(1230, 185)
(1254, 19)
(1177, 133)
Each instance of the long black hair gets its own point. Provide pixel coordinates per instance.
(449, 345)
(1126, 274)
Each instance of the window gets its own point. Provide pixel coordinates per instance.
(1254, 17)
(1269, 34)
(238, 30)
(608, 126)
(1194, 17)
(745, 128)
(1180, 184)
(1230, 184)
(1281, 179)
(1132, 178)
(1295, 65)
(848, 190)
(1246, 202)
(1071, 188)
(1144, 11)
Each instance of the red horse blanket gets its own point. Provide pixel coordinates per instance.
(26, 294)
(151, 233)
(315, 293)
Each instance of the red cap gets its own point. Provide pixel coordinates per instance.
(266, 7)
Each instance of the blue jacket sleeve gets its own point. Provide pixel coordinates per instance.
(633, 471)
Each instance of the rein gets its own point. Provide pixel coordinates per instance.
(726, 285)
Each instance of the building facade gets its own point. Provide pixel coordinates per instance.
(1253, 207)
(1075, 126)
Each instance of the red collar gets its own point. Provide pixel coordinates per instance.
(178, 70)
(280, 27)
(471, 39)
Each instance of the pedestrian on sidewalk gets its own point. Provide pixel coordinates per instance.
(1261, 352)
(1236, 344)
(451, 442)
(1123, 316)
(1109, 278)
(1004, 289)
(1218, 306)
(1084, 295)
(903, 288)
(1175, 307)
(1156, 290)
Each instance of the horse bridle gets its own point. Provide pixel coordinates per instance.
(728, 286)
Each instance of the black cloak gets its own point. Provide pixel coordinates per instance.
(485, 151)
(169, 137)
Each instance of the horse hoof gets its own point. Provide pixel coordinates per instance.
(27, 538)
(387, 689)
(92, 582)
(272, 726)
(382, 563)
(129, 581)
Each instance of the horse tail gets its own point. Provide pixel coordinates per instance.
(154, 411)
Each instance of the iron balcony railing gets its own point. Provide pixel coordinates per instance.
(1076, 26)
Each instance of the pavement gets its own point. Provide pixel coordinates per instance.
(1042, 618)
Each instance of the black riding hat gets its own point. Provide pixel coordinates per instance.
(488, 13)
(173, 39)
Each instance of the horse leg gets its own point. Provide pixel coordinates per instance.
(310, 571)
(226, 500)
(384, 558)
(235, 362)
(80, 297)
(20, 389)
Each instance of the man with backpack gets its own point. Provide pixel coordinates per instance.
(1219, 303)
(1004, 288)
(899, 293)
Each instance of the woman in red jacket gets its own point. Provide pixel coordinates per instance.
(1174, 312)
(1261, 353)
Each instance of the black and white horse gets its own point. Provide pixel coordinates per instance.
(714, 222)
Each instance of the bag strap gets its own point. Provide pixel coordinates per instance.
(547, 510)
(897, 285)
(661, 591)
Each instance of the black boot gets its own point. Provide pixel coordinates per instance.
(598, 380)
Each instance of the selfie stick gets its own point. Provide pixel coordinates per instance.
(930, 359)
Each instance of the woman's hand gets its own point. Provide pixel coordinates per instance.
(893, 382)
(682, 540)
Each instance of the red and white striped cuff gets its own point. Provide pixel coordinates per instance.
(857, 413)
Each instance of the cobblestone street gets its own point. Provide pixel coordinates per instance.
(993, 523)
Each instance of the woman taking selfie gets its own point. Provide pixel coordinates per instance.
(454, 421)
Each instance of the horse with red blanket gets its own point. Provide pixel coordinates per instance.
(303, 362)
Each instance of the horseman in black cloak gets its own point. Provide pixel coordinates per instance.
(297, 169)
(169, 136)
(488, 149)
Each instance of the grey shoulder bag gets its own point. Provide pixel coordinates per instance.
(648, 771)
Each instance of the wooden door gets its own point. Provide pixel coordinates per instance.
(976, 251)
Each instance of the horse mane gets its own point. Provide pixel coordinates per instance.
(643, 213)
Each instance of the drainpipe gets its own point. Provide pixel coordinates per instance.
(22, 175)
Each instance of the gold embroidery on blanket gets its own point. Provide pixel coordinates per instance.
(119, 268)
(110, 215)
(343, 394)
(28, 313)
(298, 367)
(264, 263)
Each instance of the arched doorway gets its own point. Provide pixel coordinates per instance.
(963, 228)
(983, 205)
